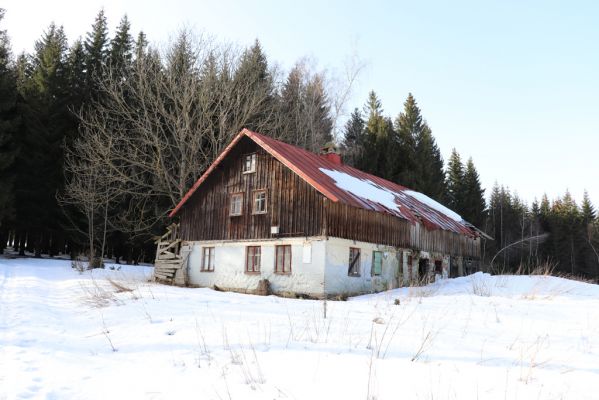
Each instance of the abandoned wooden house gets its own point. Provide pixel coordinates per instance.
(309, 225)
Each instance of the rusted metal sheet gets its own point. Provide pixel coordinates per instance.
(297, 208)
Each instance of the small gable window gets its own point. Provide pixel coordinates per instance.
(249, 163)
(236, 204)
(259, 202)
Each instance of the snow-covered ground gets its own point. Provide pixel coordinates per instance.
(66, 335)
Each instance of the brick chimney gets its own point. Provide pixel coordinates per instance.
(330, 152)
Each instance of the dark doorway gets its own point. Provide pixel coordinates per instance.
(422, 268)
(438, 267)
(453, 267)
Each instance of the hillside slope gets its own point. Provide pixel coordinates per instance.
(112, 334)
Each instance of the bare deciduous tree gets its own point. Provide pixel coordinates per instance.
(150, 134)
(157, 130)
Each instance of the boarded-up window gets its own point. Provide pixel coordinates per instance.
(249, 163)
(236, 204)
(377, 263)
(354, 262)
(208, 259)
(410, 261)
(252, 259)
(283, 259)
(259, 202)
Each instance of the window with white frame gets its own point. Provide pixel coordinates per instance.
(207, 259)
(249, 163)
(236, 206)
(259, 202)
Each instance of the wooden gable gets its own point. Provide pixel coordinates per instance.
(294, 206)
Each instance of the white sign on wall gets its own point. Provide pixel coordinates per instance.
(307, 254)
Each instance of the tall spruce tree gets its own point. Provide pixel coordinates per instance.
(353, 139)
(565, 232)
(9, 121)
(305, 110)
(96, 53)
(38, 171)
(317, 112)
(588, 242)
(402, 149)
(291, 103)
(76, 72)
(590, 236)
(474, 196)
(141, 45)
(255, 90)
(430, 177)
(379, 131)
(455, 182)
(121, 48)
(587, 209)
(414, 158)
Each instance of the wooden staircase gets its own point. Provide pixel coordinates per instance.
(168, 267)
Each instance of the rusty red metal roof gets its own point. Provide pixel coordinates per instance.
(319, 172)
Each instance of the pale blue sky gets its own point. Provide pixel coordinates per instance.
(513, 84)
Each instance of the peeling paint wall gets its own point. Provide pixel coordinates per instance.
(319, 265)
(337, 280)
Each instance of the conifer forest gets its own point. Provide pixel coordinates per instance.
(101, 137)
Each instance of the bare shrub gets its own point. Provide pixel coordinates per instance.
(78, 265)
(421, 287)
(106, 333)
(425, 344)
(546, 268)
(97, 295)
(119, 287)
(481, 286)
(529, 358)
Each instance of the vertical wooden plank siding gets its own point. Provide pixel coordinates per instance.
(292, 205)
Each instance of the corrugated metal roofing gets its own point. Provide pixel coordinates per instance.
(309, 166)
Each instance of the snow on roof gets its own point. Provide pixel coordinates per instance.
(364, 188)
(433, 204)
(347, 185)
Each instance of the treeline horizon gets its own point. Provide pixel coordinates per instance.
(100, 138)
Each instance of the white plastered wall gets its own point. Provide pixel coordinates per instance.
(318, 265)
(337, 280)
(307, 266)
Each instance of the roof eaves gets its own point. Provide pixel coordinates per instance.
(255, 137)
(205, 175)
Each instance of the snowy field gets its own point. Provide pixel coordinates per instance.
(111, 334)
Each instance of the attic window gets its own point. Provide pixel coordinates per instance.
(236, 204)
(249, 163)
(259, 202)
